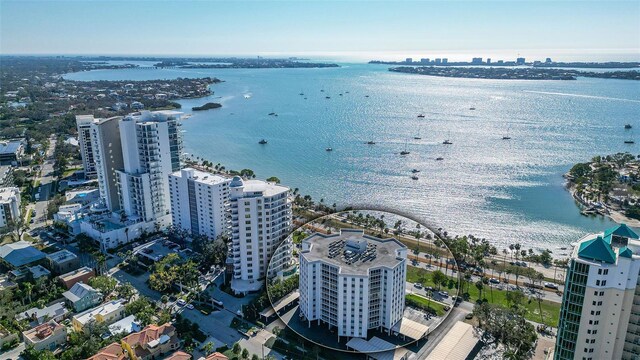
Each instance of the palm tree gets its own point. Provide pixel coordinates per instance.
(28, 288)
(539, 278)
(480, 287)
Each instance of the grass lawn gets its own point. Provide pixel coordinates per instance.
(70, 172)
(550, 310)
(229, 353)
(424, 303)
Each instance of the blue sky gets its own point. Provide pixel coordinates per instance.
(317, 27)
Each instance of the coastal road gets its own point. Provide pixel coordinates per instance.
(547, 294)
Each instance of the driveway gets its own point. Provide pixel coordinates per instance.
(255, 344)
(215, 325)
(231, 303)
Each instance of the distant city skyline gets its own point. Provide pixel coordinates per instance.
(569, 31)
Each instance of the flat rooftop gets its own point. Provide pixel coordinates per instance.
(259, 186)
(61, 256)
(9, 147)
(201, 176)
(76, 273)
(456, 345)
(341, 251)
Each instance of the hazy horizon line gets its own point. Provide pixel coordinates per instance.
(622, 54)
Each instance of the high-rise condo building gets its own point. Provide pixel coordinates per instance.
(352, 281)
(199, 202)
(107, 156)
(600, 315)
(134, 157)
(83, 124)
(9, 205)
(151, 149)
(260, 220)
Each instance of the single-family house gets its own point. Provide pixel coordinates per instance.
(82, 297)
(47, 336)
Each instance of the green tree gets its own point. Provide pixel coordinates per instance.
(105, 284)
(126, 291)
(480, 287)
(245, 353)
(208, 348)
(438, 278)
(506, 326)
(142, 309)
(29, 353)
(274, 180)
(236, 348)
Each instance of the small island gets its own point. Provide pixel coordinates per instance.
(609, 186)
(206, 106)
(240, 63)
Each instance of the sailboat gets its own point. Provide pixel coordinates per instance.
(329, 148)
(405, 152)
(628, 126)
(447, 142)
(507, 137)
(370, 142)
(262, 142)
(417, 137)
(414, 177)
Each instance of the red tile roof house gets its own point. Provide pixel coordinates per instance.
(152, 343)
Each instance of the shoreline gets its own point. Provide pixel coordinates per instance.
(612, 214)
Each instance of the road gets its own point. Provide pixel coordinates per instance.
(14, 353)
(411, 289)
(547, 294)
(46, 179)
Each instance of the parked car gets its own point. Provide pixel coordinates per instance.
(443, 294)
(494, 281)
(550, 285)
(417, 285)
(190, 306)
(181, 302)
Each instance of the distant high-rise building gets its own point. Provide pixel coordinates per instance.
(600, 314)
(260, 220)
(352, 281)
(107, 150)
(424, 60)
(408, 60)
(199, 202)
(445, 60)
(476, 60)
(9, 205)
(83, 124)
(151, 148)
(548, 60)
(488, 61)
(438, 61)
(520, 61)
